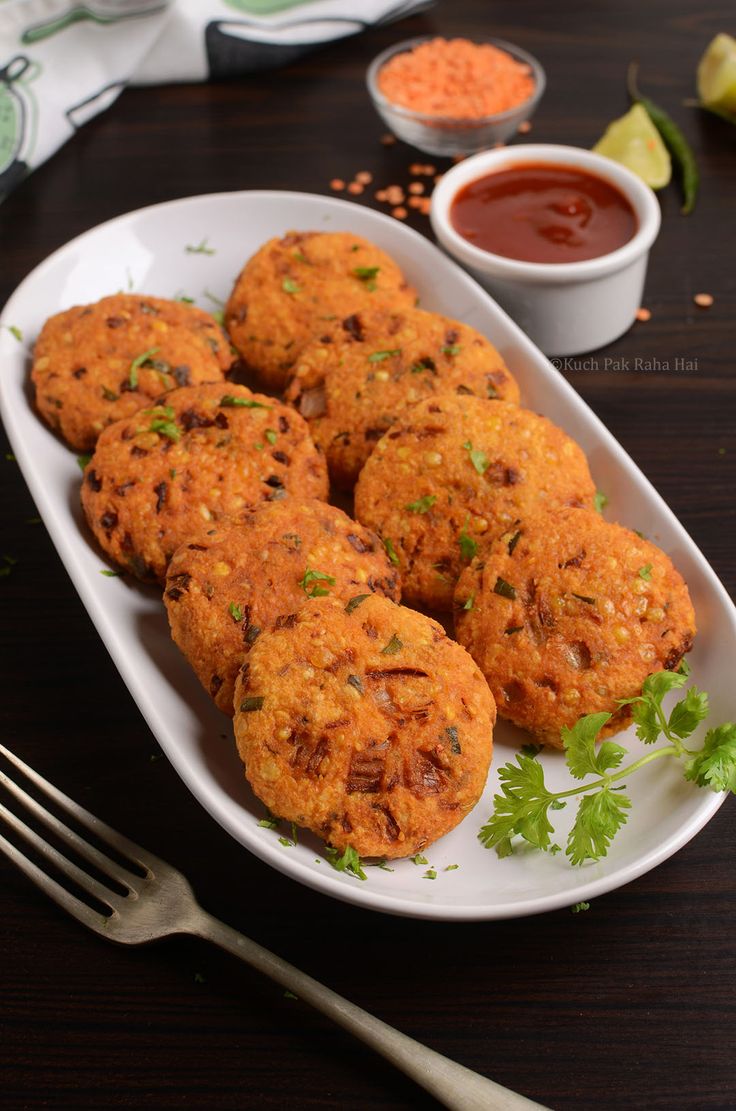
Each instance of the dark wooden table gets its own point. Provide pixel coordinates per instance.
(628, 1005)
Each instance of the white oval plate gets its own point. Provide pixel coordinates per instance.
(146, 251)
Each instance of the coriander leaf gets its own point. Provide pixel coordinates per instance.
(506, 590)
(235, 612)
(349, 862)
(478, 458)
(83, 460)
(290, 286)
(451, 867)
(252, 703)
(230, 402)
(391, 551)
(521, 807)
(110, 574)
(270, 435)
(269, 822)
(422, 505)
(600, 501)
(715, 765)
(165, 428)
(599, 818)
(468, 546)
(366, 273)
(16, 332)
(419, 859)
(452, 349)
(645, 572)
(138, 362)
(580, 753)
(688, 713)
(315, 577)
(394, 645)
(379, 356)
(580, 906)
(354, 602)
(469, 602)
(200, 249)
(430, 874)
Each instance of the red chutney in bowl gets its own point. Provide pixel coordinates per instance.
(537, 212)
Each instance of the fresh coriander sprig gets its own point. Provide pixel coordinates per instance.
(523, 807)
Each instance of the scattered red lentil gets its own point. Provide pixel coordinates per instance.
(380, 195)
(395, 194)
(388, 140)
(424, 205)
(524, 127)
(364, 177)
(416, 169)
(456, 78)
(416, 187)
(643, 314)
(400, 212)
(703, 300)
(415, 202)
(355, 187)
(337, 184)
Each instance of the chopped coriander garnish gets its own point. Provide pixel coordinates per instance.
(355, 602)
(349, 862)
(286, 842)
(184, 299)
(290, 995)
(16, 332)
(110, 574)
(300, 256)
(383, 866)
(513, 542)
(422, 505)
(600, 501)
(424, 366)
(290, 286)
(201, 249)
(419, 859)
(235, 612)
(580, 906)
(252, 703)
(166, 427)
(479, 459)
(379, 356)
(315, 577)
(645, 572)
(110, 395)
(269, 822)
(138, 362)
(367, 274)
(354, 681)
(391, 551)
(231, 402)
(453, 349)
(469, 602)
(451, 868)
(506, 590)
(430, 874)
(82, 461)
(468, 546)
(393, 646)
(270, 435)
(10, 457)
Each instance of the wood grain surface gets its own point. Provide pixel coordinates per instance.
(627, 1005)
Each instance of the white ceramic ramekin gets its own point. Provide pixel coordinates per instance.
(565, 308)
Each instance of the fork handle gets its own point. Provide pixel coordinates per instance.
(452, 1084)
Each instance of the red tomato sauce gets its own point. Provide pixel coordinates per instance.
(542, 213)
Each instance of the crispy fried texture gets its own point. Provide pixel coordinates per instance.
(423, 492)
(224, 590)
(351, 387)
(83, 357)
(174, 471)
(371, 728)
(300, 287)
(596, 610)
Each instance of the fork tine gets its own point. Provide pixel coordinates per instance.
(54, 890)
(91, 854)
(136, 853)
(67, 867)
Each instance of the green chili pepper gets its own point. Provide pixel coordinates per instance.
(674, 140)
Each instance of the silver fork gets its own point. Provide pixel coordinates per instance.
(160, 903)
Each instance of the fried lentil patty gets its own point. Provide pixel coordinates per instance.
(202, 456)
(225, 589)
(566, 613)
(96, 364)
(300, 287)
(365, 723)
(454, 471)
(353, 385)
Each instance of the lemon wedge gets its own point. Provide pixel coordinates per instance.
(634, 141)
(717, 76)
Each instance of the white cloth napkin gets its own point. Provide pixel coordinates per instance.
(63, 61)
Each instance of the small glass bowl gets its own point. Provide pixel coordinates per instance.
(443, 135)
